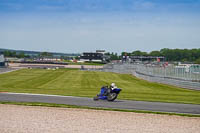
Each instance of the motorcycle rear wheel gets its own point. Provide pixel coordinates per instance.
(112, 96)
(95, 98)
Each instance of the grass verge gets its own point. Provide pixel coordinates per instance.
(72, 82)
(94, 108)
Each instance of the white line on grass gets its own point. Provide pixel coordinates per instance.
(30, 94)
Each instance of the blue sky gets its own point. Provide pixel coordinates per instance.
(73, 26)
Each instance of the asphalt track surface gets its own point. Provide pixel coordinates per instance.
(6, 70)
(117, 104)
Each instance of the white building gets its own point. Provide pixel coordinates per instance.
(2, 60)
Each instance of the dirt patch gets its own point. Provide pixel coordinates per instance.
(23, 119)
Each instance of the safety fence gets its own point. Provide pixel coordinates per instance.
(185, 77)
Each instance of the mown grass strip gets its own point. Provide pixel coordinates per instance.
(74, 82)
(94, 108)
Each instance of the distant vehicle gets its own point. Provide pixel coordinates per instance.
(107, 94)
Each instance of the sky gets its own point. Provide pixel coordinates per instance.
(76, 26)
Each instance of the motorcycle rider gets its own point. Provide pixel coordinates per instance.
(109, 93)
(109, 89)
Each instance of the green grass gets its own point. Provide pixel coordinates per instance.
(73, 82)
(94, 108)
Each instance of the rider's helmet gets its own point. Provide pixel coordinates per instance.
(113, 84)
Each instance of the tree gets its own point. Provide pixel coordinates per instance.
(107, 53)
(125, 53)
(114, 56)
(155, 53)
(139, 53)
(46, 54)
(6, 53)
(197, 61)
(9, 54)
(21, 55)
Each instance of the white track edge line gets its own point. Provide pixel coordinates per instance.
(31, 94)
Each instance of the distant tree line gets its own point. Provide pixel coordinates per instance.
(23, 55)
(184, 55)
(45, 54)
(15, 54)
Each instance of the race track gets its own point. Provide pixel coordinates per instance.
(118, 104)
(6, 70)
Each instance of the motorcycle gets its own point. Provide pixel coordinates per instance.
(107, 94)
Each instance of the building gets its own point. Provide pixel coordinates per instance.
(147, 58)
(101, 51)
(97, 56)
(91, 57)
(2, 60)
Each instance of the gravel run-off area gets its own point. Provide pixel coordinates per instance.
(30, 119)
